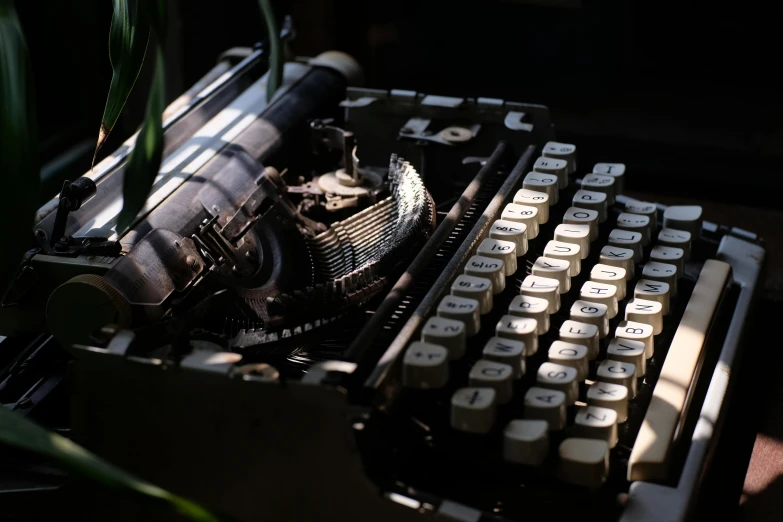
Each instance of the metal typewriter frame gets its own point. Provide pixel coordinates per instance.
(320, 404)
(245, 407)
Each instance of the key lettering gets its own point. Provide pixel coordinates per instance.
(503, 347)
(568, 351)
(581, 215)
(589, 310)
(641, 307)
(601, 391)
(624, 348)
(612, 274)
(615, 369)
(635, 331)
(492, 372)
(556, 375)
(598, 291)
(591, 416)
(561, 248)
(546, 398)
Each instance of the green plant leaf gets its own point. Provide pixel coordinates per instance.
(21, 433)
(144, 162)
(128, 38)
(157, 14)
(19, 167)
(275, 50)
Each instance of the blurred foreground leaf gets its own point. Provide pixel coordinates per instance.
(19, 168)
(128, 38)
(21, 433)
(275, 50)
(144, 161)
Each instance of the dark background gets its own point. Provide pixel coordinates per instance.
(686, 92)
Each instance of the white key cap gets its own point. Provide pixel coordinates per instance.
(616, 170)
(583, 216)
(499, 249)
(653, 291)
(601, 293)
(478, 288)
(489, 268)
(593, 201)
(548, 405)
(610, 275)
(584, 462)
(522, 214)
(627, 239)
(591, 313)
(510, 231)
(683, 217)
(425, 366)
(644, 311)
(519, 329)
(576, 234)
(618, 372)
(645, 209)
(447, 333)
(559, 377)
(533, 307)
(473, 409)
(495, 375)
(601, 183)
(662, 272)
(526, 441)
(534, 198)
(555, 269)
(461, 309)
(567, 252)
(609, 395)
(665, 254)
(570, 354)
(619, 257)
(677, 239)
(546, 183)
(581, 333)
(543, 287)
(555, 167)
(635, 223)
(634, 331)
(629, 351)
(506, 351)
(594, 422)
(566, 151)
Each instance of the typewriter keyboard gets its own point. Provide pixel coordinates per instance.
(579, 310)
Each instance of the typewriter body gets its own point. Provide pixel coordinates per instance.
(352, 304)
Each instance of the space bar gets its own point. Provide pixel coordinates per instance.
(650, 454)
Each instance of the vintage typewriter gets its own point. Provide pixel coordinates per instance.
(352, 304)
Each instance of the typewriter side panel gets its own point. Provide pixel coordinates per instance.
(649, 501)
